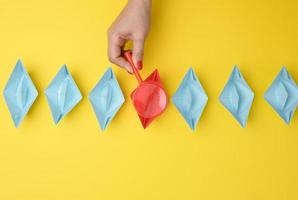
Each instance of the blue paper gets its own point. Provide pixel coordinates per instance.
(237, 97)
(19, 93)
(190, 99)
(106, 98)
(282, 95)
(62, 94)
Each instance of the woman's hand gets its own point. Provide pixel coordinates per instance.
(131, 25)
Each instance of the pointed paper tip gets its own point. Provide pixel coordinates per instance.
(102, 127)
(192, 124)
(104, 123)
(144, 125)
(56, 122)
(145, 121)
(283, 69)
(190, 74)
(190, 69)
(284, 72)
(64, 69)
(20, 65)
(236, 71)
(109, 73)
(17, 123)
(58, 118)
(154, 76)
(19, 61)
(287, 120)
(241, 122)
(243, 125)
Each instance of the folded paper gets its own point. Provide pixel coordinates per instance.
(19, 93)
(237, 97)
(152, 78)
(62, 94)
(282, 95)
(106, 98)
(190, 99)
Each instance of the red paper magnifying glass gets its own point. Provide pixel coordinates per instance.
(149, 98)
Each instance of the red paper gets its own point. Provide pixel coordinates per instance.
(153, 77)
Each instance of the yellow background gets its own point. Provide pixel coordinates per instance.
(220, 161)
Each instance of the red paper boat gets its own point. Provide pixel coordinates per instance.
(154, 77)
(149, 98)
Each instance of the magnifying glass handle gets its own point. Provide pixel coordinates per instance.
(127, 55)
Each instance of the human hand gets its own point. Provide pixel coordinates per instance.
(132, 24)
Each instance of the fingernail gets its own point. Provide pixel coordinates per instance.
(140, 64)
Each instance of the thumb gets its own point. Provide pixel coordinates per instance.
(138, 52)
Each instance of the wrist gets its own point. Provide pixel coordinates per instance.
(144, 2)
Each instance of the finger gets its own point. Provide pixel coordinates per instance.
(138, 52)
(120, 61)
(115, 52)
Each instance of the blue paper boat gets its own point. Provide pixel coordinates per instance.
(237, 97)
(19, 93)
(190, 99)
(106, 98)
(62, 94)
(282, 95)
